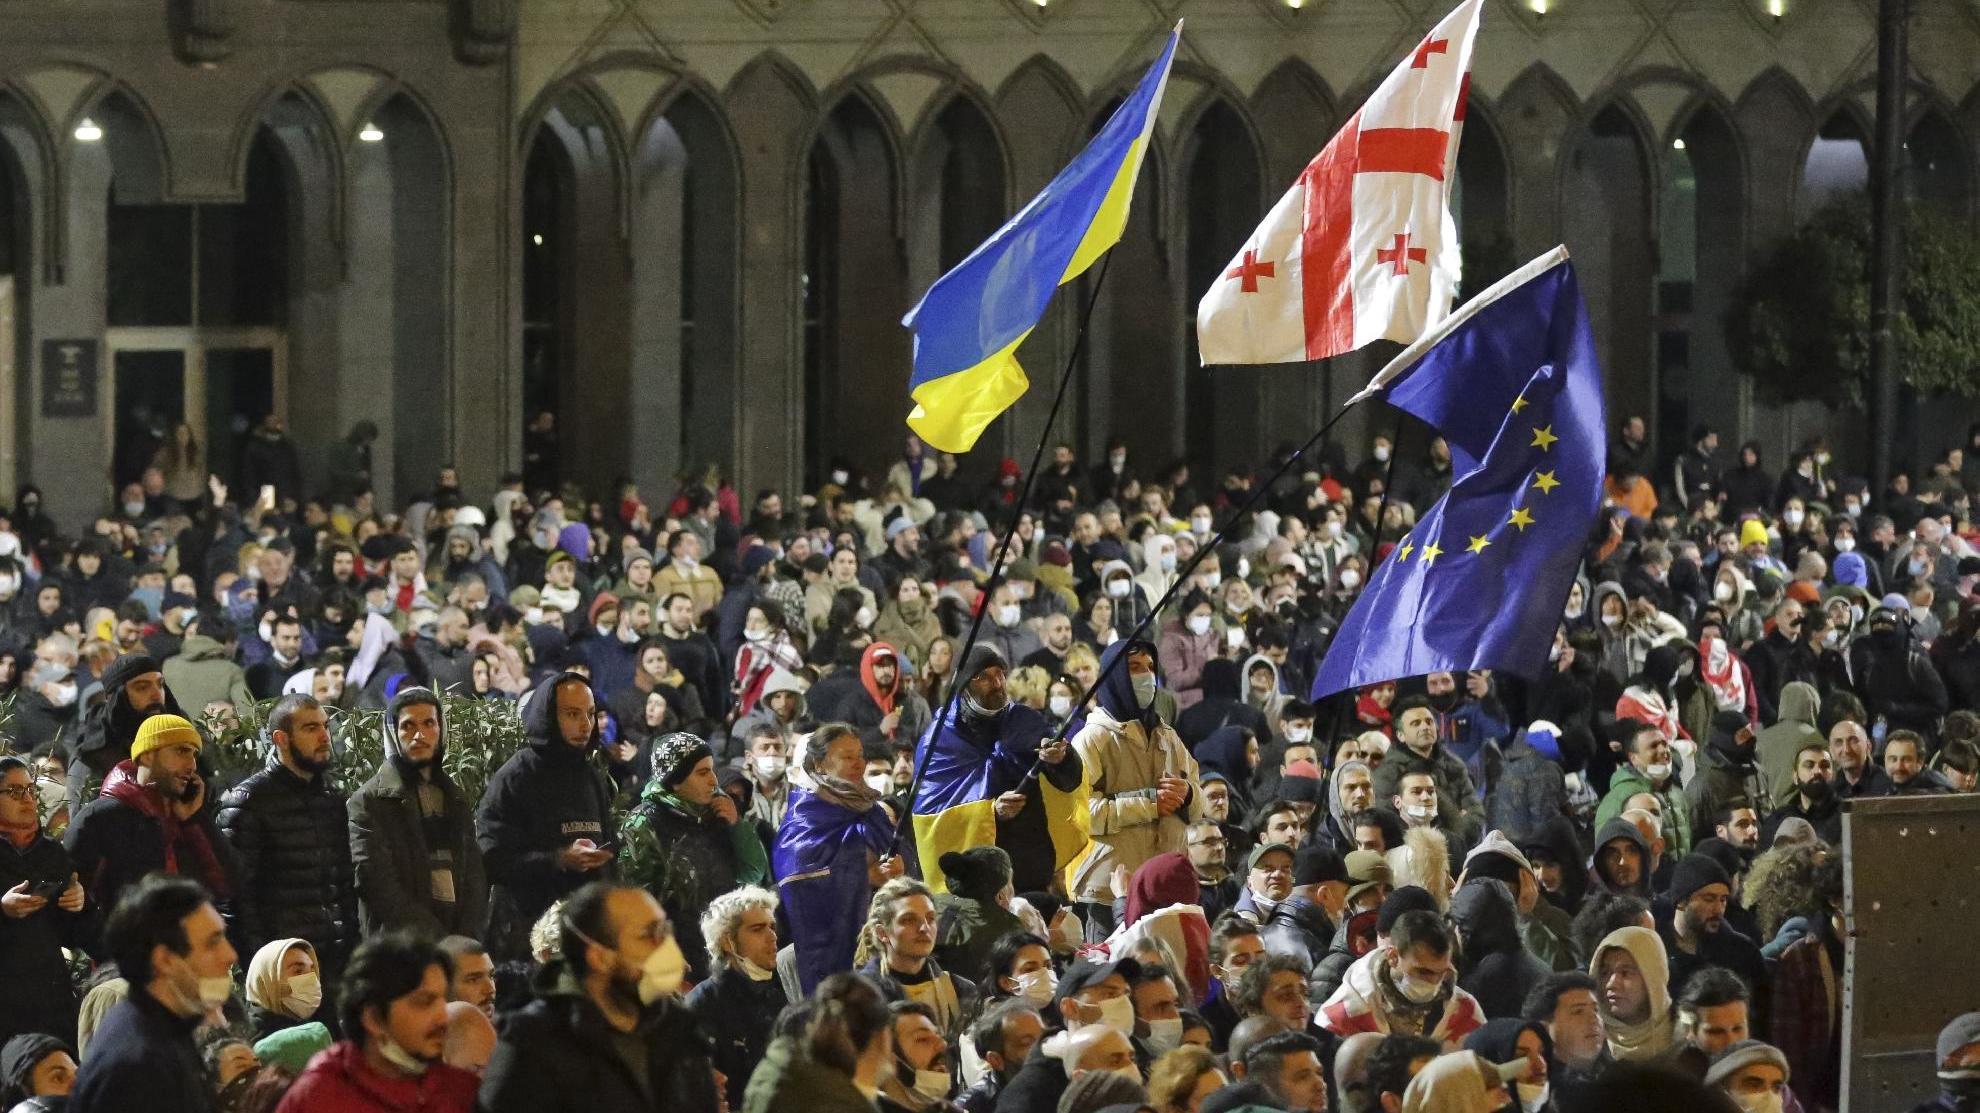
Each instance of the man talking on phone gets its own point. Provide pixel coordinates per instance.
(152, 817)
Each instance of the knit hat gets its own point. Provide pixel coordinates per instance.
(1022, 569)
(293, 1047)
(675, 755)
(1409, 898)
(1794, 831)
(1737, 1057)
(1313, 865)
(901, 524)
(160, 731)
(978, 872)
(1694, 872)
(1299, 789)
(21, 1055)
(1057, 554)
(606, 601)
(757, 556)
(1544, 737)
(1751, 532)
(632, 554)
(1728, 856)
(1964, 1029)
(126, 668)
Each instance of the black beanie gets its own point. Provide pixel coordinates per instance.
(978, 872)
(1409, 898)
(1694, 872)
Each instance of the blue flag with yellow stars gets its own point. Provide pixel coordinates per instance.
(1512, 384)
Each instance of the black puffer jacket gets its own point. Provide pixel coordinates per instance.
(39, 997)
(542, 799)
(292, 841)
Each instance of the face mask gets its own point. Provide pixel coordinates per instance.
(839, 477)
(1168, 562)
(932, 1085)
(1298, 735)
(1659, 771)
(1350, 579)
(864, 618)
(399, 1057)
(1845, 544)
(1037, 987)
(1061, 706)
(1117, 1014)
(1531, 1096)
(882, 783)
(1792, 518)
(1554, 652)
(1199, 624)
(1768, 1102)
(770, 768)
(1422, 813)
(1576, 610)
(1916, 567)
(1199, 526)
(1007, 615)
(762, 635)
(1612, 620)
(1117, 460)
(1144, 690)
(1417, 991)
(1118, 588)
(305, 994)
(1920, 614)
(133, 510)
(1381, 453)
(1164, 1035)
(660, 975)
(64, 694)
(1832, 638)
(1211, 580)
(1722, 591)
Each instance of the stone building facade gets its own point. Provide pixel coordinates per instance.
(689, 228)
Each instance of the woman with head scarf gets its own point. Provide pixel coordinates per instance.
(1632, 976)
(284, 986)
(1510, 1040)
(1460, 1082)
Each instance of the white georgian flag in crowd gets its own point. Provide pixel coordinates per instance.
(1362, 247)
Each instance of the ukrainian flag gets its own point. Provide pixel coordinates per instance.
(968, 326)
(954, 803)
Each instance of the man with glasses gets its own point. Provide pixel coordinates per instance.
(1216, 885)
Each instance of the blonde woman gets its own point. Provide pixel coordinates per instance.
(1180, 1080)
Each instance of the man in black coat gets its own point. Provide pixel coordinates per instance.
(154, 815)
(545, 824)
(42, 910)
(171, 944)
(290, 835)
(133, 691)
(417, 864)
(605, 1033)
(739, 1004)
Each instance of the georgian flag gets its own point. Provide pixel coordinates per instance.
(1362, 247)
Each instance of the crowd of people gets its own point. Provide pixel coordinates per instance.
(784, 838)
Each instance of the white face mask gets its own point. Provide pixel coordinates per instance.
(1164, 1036)
(1845, 544)
(864, 617)
(64, 694)
(1199, 526)
(770, 768)
(1659, 770)
(752, 971)
(1350, 578)
(931, 1085)
(1061, 706)
(1298, 735)
(1118, 1014)
(761, 634)
(1792, 518)
(399, 1057)
(1007, 615)
(1612, 620)
(1037, 986)
(1422, 813)
(1211, 580)
(1768, 1102)
(839, 477)
(1722, 591)
(660, 975)
(1418, 991)
(1168, 562)
(1144, 690)
(1199, 624)
(1381, 453)
(1531, 1096)
(1119, 587)
(882, 783)
(305, 995)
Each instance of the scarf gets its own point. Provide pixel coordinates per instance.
(122, 786)
(1652, 1036)
(1406, 1017)
(1721, 674)
(855, 798)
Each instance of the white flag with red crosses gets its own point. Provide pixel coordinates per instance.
(1362, 247)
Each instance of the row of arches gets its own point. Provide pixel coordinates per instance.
(683, 258)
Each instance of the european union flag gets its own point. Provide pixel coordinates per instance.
(1512, 384)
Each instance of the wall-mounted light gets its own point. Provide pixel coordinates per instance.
(1777, 8)
(1041, 3)
(371, 134)
(537, 239)
(88, 132)
(1295, 5)
(1539, 7)
(1677, 144)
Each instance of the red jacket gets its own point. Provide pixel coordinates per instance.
(338, 1080)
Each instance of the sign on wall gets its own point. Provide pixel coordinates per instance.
(68, 378)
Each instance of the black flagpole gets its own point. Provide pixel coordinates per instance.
(942, 713)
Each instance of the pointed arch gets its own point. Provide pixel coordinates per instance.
(1536, 110)
(1836, 160)
(1296, 113)
(958, 186)
(1041, 75)
(1608, 188)
(1481, 199)
(1220, 180)
(1939, 170)
(132, 138)
(1702, 238)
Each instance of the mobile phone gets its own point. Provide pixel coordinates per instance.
(268, 494)
(49, 890)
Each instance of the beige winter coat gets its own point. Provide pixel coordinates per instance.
(1124, 766)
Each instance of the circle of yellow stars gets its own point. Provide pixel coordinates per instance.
(1543, 481)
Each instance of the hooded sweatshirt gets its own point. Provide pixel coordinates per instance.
(1497, 969)
(1627, 831)
(1161, 904)
(1800, 703)
(1126, 750)
(1649, 1038)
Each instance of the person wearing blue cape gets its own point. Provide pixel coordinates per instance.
(834, 848)
(976, 787)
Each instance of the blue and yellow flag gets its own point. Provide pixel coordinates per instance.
(961, 779)
(969, 324)
(1511, 383)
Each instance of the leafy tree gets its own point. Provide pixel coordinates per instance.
(1800, 324)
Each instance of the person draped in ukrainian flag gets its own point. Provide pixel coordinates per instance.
(976, 784)
(834, 848)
